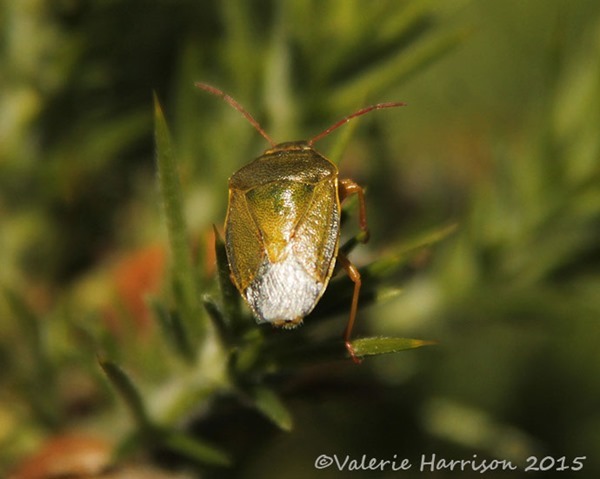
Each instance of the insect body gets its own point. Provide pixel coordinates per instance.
(284, 208)
(283, 227)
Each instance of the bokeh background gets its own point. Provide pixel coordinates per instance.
(500, 137)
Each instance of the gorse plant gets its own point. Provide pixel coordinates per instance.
(118, 316)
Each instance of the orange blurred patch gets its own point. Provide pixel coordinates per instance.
(137, 275)
(71, 455)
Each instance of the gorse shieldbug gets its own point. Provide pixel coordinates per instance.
(282, 228)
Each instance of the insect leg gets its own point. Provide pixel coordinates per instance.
(348, 187)
(354, 276)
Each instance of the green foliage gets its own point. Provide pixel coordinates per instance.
(483, 200)
(184, 279)
(381, 345)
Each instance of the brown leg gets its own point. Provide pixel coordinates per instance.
(348, 187)
(354, 275)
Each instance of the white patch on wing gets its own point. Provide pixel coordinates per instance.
(283, 291)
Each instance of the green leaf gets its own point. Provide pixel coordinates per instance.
(184, 276)
(229, 294)
(384, 345)
(271, 406)
(174, 329)
(130, 394)
(403, 253)
(195, 449)
(218, 320)
(427, 238)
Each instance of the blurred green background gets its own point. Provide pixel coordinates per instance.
(500, 136)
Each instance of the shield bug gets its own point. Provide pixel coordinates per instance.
(282, 228)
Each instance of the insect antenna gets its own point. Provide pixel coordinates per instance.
(237, 106)
(378, 106)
